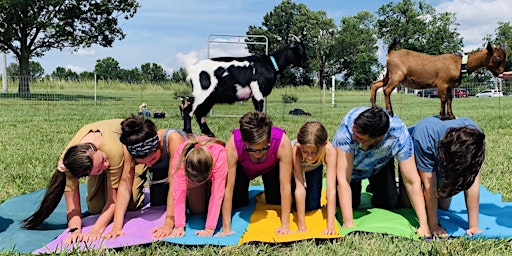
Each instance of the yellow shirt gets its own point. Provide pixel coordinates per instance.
(110, 144)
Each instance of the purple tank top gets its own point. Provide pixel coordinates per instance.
(253, 170)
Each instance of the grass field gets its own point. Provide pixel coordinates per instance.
(35, 130)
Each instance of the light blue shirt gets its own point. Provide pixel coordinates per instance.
(427, 134)
(396, 143)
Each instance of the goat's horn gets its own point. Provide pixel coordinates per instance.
(294, 37)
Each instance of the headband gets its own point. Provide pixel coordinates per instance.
(144, 148)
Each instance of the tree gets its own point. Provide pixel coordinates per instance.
(131, 76)
(153, 73)
(86, 76)
(179, 76)
(107, 69)
(32, 27)
(64, 74)
(419, 27)
(355, 50)
(285, 19)
(35, 70)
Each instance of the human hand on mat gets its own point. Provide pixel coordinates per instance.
(329, 231)
(283, 231)
(113, 234)
(90, 237)
(178, 232)
(473, 231)
(74, 237)
(438, 231)
(161, 232)
(225, 233)
(423, 231)
(205, 232)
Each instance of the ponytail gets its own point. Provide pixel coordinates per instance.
(51, 199)
(78, 162)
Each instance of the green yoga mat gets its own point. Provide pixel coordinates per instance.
(402, 222)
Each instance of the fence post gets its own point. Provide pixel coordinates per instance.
(4, 72)
(95, 86)
(333, 88)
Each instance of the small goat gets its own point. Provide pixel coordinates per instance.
(420, 71)
(231, 79)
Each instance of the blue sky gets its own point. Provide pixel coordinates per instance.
(174, 33)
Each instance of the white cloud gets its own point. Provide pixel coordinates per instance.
(477, 18)
(76, 69)
(188, 59)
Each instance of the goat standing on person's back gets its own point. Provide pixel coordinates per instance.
(231, 79)
(420, 71)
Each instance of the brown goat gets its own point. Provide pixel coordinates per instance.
(420, 71)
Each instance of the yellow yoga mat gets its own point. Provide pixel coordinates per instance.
(267, 218)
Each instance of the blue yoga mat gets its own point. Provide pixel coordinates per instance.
(13, 238)
(494, 216)
(240, 219)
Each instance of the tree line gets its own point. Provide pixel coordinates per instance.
(347, 49)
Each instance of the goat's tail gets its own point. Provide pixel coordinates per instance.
(394, 44)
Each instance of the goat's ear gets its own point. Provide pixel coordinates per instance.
(489, 48)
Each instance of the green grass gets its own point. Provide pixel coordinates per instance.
(35, 130)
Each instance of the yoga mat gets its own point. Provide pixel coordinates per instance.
(139, 224)
(13, 238)
(494, 216)
(239, 222)
(402, 222)
(266, 219)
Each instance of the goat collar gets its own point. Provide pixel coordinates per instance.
(274, 62)
(464, 65)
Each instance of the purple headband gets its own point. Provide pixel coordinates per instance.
(144, 148)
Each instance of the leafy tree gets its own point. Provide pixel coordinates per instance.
(153, 73)
(179, 76)
(131, 76)
(86, 76)
(319, 31)
(107, 69)
(419, 27)
(35, 70)
(285, 19)
(64, 74)
(355, 50)
(32, 27)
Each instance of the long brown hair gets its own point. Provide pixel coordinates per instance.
(78, 161)
(197, 160)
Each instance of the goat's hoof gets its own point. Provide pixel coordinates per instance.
(211, 135)
(444, 118)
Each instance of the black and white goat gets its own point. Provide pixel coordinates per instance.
(231, 79)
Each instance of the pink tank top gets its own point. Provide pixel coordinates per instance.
(253, 170)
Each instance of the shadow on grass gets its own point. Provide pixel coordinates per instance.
(57, 97)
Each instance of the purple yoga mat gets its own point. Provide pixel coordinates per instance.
(137, 228)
